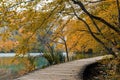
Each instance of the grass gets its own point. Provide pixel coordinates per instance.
(19, 66)
(82, 56)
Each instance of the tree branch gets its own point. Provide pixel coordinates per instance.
(79, 3)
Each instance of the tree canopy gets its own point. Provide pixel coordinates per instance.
(67, 25)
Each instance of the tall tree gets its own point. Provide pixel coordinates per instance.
(95, 20)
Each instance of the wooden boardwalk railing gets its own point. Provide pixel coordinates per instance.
(66, 71)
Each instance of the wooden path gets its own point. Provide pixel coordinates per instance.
(66, 71)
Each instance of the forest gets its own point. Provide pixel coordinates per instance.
(74, 27)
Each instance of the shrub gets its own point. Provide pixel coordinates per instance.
(49, 57)
(57, 58)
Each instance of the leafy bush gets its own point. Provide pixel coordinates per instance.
(41, 62)
(20, 66)
(49, 57)
(57, 58)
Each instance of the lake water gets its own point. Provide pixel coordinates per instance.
(13, 54)
(31, 54)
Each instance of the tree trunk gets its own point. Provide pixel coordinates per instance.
(51, 50)
(66, 49)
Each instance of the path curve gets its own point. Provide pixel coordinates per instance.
(67, 71)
